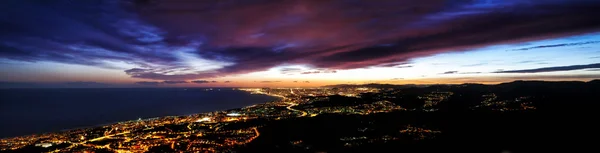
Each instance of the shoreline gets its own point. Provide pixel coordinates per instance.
(276, 98)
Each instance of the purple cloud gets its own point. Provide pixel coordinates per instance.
(201, 81)
(149, 83)
(167, 40)
(174, 81)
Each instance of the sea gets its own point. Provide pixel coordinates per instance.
(34, 111)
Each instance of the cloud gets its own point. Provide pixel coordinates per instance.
(201, 81)
(169, 40)
(396, 65)
(477, 64)
(149, 83)
(213, 81)
(557, 45)
(553, 69)
(305, 81)
(159, 74)
(397, 79)
(470, 72)
(500, 79)
(268, 81)
(295, 81)
(290, 70)
(226, 81)
(450, 72)
(174, 81)
(61, 31)
(311, 72)
(317, 72)
(527, 61)
(405, 66)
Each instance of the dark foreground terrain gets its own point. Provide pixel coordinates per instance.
(561, 118)
(522, 116)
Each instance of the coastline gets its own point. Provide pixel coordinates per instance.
(272, 98)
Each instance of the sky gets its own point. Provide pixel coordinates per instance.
(295, 43)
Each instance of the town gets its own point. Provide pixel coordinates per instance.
(238, 129)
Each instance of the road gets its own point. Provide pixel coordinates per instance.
(295, 110)
(303, 113)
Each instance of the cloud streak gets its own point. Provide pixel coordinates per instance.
(557, 45)
(450, 72)
(553, 69)
(317, 72)
(174, 81)
(203, 81)
(469, 72)
(268, 81)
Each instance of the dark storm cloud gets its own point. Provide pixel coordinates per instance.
(150, 83)
(557, 45)
(80, 32)
(174, 81)
(553, 69)
(258, 35)
(381, 34)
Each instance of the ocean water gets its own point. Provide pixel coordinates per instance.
(30, 111)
